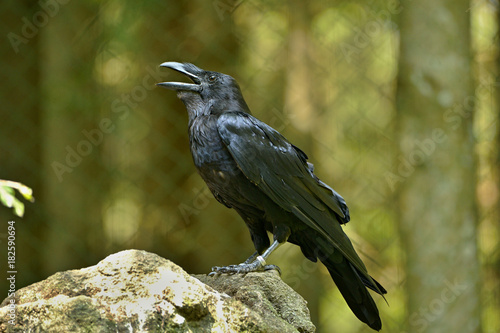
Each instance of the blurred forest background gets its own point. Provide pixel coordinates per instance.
(395, 102)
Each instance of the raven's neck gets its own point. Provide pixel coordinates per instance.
(208, 151)
(218, 106)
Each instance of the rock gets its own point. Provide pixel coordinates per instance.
(269, 296)
(137, 291)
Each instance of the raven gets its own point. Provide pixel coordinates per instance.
(251, 167)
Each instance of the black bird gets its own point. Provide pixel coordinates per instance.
(252, 168)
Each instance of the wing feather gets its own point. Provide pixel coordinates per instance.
(281, 171)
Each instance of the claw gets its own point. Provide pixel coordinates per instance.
(255, 263)
(272, 267)
(213, 273)
(257, 266)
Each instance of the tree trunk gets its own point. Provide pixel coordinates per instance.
(436, 167)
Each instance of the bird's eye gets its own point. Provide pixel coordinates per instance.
(212, 78)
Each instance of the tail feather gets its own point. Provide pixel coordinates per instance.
(352, 287)
(370, 285)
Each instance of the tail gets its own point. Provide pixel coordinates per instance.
(352, 286)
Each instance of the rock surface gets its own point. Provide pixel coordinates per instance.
(137, 291)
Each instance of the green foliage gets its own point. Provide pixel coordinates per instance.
(8, 197)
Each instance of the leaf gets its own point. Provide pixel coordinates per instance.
(8, 198)
(26, 192)
(18, 208)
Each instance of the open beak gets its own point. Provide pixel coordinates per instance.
(186, 69)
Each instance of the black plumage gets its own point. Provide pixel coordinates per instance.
(252, 168)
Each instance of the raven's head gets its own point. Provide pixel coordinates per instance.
(210, 92)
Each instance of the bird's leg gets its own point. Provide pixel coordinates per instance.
(256, 262)
(251, 258)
